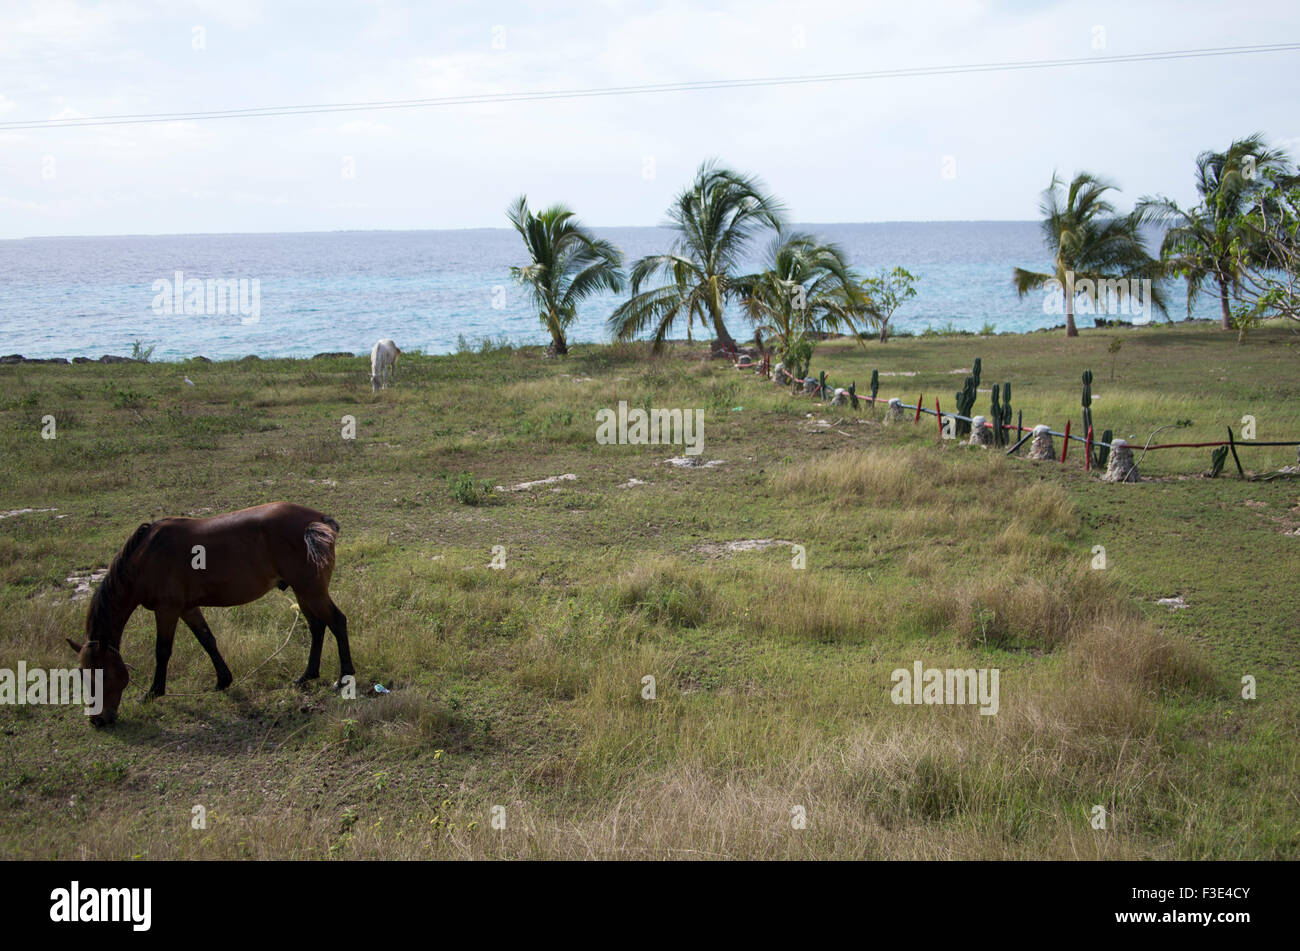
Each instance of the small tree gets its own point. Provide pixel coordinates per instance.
(806, 287)
(1090, 241)
(887, 291)
(715, 218)
(1267, 253)
(1200, 243)
(569, 264)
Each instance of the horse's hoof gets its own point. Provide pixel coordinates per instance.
(154, 694)
(305, 679)
(223, 684)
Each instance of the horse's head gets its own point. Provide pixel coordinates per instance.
(98, 656)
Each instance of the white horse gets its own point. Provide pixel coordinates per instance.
(382, 358)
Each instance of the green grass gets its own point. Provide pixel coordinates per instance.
(522, 687)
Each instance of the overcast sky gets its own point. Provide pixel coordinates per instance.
(974, 146)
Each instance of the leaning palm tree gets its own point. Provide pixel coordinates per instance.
(715, 219)
(569, 264)
(804, 286)
(1202, 242)
(1090, 241)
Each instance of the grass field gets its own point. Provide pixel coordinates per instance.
(523, 687)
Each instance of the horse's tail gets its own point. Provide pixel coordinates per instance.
(320, 538)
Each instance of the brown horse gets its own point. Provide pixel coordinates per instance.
(177, 565)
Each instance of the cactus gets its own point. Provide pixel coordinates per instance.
(821, 385)
(1103, 452)
(1098, 454)
(1087, 400)
(1217, 459)
(966, 402)
(853, 394)
(1000, 414)
(1005, 421)
(995, 417)
(975, 371)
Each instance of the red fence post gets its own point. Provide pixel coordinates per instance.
(1065, 443)
(1087, 452)
(917, 418)
(938, 415)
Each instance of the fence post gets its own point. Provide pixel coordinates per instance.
(938, 415)
(1087, 452)
(1232, 444)
(1065, 443)
(917, 418)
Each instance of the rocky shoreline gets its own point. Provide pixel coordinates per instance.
(12, 359)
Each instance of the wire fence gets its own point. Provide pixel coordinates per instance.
(764, 369)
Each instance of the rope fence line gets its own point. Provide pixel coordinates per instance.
(764, 368)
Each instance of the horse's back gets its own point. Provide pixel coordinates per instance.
(229, 559)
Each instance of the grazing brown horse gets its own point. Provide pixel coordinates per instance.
(177, 565)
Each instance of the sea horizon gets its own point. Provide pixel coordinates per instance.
(437, 290)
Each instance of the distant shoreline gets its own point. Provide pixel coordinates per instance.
(17, 359)
(505, 229)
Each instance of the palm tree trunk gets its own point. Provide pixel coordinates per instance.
(1223, 306)
(723, 339)
(1070, 329)
(720, 332)
(884, 331)
(559, 347)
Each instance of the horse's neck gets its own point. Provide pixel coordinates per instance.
(112, 621)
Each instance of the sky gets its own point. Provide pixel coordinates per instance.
(958, 147)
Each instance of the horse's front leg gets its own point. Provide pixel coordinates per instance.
(162, 650)
(195, 621)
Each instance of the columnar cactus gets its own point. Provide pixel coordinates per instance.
(995, 414)
(853, 394)
(1087, 410)
(966, 400)
(1003, 424)
(875, 385)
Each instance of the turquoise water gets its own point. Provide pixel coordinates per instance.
(341, 291)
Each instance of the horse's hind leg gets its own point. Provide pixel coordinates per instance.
(195, 621)
(317, 627)
(339, 625)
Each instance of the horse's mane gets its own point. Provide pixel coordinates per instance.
(104, 604)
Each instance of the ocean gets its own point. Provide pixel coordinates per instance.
(431, 290)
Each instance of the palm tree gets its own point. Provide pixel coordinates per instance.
(569, 264)
(804, 286)
(1090, 241)
(715, 218)
(1199, 242)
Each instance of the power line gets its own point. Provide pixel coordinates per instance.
(558, 94)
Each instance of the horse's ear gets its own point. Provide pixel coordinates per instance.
(76, 648)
